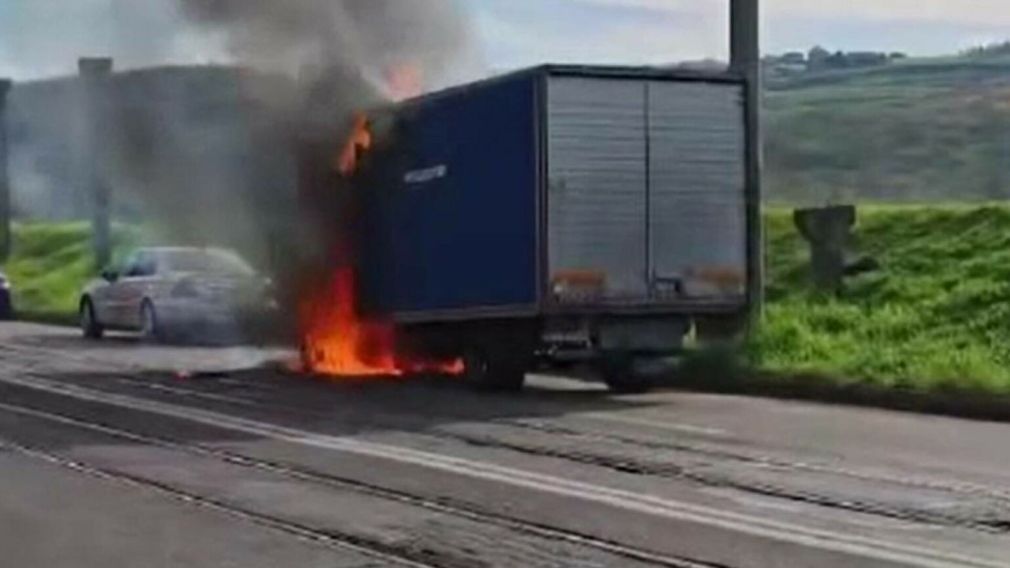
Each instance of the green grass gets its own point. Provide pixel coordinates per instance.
(51, 263)
(936, 317)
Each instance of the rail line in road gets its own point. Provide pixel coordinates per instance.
(992, 517)
(716, 451)
(859, 547)
(672, 469)
(301, 474)
(988, 521)
(326, 538)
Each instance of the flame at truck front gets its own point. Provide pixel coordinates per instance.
(336, 340)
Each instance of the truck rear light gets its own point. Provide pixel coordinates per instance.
(579, 285)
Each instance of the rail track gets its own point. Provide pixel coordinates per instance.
(250, 395)
(401, 557)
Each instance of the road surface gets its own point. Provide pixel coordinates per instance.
(109, 456)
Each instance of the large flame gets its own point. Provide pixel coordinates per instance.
(336, 340)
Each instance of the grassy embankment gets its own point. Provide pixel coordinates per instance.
(51, 263)
(935, 318)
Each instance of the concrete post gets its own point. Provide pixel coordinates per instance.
(95, 74)
(5, 189)
(745, 61)
(829, 231)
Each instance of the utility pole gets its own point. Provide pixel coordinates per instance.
(5, 188)
(95, 74)
(745, 62)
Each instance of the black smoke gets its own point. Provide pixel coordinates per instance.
(354, 38)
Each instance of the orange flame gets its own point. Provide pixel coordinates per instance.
(336, 341)
(358, 142)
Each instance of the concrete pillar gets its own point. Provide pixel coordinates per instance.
(829, 232)
(95, 74)
(745, 61)
(5, 188)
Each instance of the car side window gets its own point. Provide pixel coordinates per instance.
(130, 265)
(141, 266)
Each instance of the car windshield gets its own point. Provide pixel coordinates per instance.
(206, 262)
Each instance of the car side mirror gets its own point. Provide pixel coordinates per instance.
(110, 275)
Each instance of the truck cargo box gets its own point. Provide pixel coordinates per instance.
(557, 191)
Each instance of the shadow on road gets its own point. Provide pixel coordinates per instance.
(226, 381)
(344, 407)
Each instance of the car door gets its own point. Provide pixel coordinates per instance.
(132, 288)
(109, 300)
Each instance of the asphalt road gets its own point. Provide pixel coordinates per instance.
(123, 454)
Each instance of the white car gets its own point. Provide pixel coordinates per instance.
(164, 291)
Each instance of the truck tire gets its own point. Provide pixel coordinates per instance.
(618, 371)
(492, 369)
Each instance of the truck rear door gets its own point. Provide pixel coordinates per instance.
(597, 200)
(697, 213)
(646, 184)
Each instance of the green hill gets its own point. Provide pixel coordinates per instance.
(916, 130)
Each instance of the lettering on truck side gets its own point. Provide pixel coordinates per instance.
(425, 175)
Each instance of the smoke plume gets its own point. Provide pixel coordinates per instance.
(362, 38)
(340, 56)
(221, 155)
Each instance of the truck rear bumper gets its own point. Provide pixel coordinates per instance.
(586, 337)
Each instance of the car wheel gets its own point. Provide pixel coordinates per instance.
(150, 328)
(89, 323)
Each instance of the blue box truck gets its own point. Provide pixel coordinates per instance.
(560, 211)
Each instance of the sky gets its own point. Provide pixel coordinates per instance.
(41, 38)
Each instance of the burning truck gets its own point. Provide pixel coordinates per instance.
(592, 213)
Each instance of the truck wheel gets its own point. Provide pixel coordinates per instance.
(619, 373)
(492, 370)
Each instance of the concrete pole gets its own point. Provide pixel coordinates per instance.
(745, 61)
(95, 74)
(6, 243)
